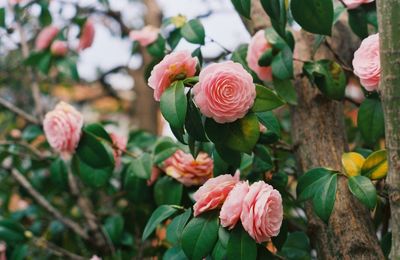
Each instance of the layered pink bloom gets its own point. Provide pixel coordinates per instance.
(367, 64)
(119, 143)
(232, 207)
(213, 193)
(175, 66)
(187, 170)
(351, 4)
(63, 128)
(46, 37)
(225, 91)
(146, 36)
(59, 48)
(262, 212)
(258, 45)
(87, 35)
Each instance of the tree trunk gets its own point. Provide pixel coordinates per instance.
(389, 31)
(319, 135)
(146, 108)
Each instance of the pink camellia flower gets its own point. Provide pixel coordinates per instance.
(213, 193)
(46, 37)
(87, 35)
(225, 91)
(175, 66)
(59, 48)
(187, 170)
(232, 207)
(262, 212)
(119, 143)
(366, 63)
(351, 4)
(258, 45)
(146, 36)
(63, 128)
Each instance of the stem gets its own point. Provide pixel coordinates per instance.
(19, 111)
(54, 249)
(42, 201)
(26, 145)
(389, 33)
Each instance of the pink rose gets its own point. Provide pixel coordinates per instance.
(87, 35)
(187, 170)
(225, 91)
(262, 212)
(176, 65)
(45, 37)
(213, 193)
(232, 207)
(119, 143)
(351, 4)
(146, 36)
(63, 128)
(258, 45)
(366, 63)
(59, 48)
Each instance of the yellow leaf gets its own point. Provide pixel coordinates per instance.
(352, 163)
(376, 165)
(178, 20)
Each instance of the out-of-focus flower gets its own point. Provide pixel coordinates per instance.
(146, 36)
(119, 143)
(59, 48)
(258, 45)
(46, 37)
(87, 35)
(351, 4)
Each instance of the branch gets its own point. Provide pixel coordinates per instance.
(42, 201)
(54, 249)
(26, 145)
(19, 111)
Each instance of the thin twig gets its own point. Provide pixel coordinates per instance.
(26, 145)
(42, 201)
(54, 249)
(19, 111)
(338, 58)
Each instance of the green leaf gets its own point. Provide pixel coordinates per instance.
(31, 132)
(358, 22)
(194, 123)
(243, 7)
(157, 48)
(386, 244)
(286, 90)
(174, 38)
(175, 228)
(370, 120)
(232, 157)
(44, 63)
(266, 58)
(92, 176)
(310, 181)
(297, 247)
(241, 246)
(193, 31)
(45, 16)
(2, 17)
(174, 253)
(328, 76)
(164, 148)
(262, 161)
(363, 189)
(282, 64)
(114, 225)
(140, 167)
(173, 104)
(11, 232)
(241, 135)
(266, 100)
(98, 130)
(315, 16)
(324, 198)
(200, 236)
(269, 120)
(159, 215)
(94, 152)
(168, 191)
(59, 173)
(276, 11)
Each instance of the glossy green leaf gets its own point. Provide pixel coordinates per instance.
(2, 17)
(266, 58)
(174, 253)
(370, 120)
(98, 130)
(269, 120)
(243, 7)
(194, 123)
(241, 246)
(159, 215)
(200, 236)
(193, 31)
(310, 181)
(157, 48)
(114, 226)
(286, 90)
(173, 104)
(297, 247)
(175, 228)
(140, 167)
(282, 64)
(92, 176)
(241, 135)
(168, 191)
(164, 148)
(358, 22)
(11, 232)
(324, 198)
(266, 99)
(94, 152)
(363, 189)
(276, 11)
(232, 157)
(315, 16)
(59, 173)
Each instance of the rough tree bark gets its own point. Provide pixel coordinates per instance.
(146, 109)
(318, 133)
(389, 29)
